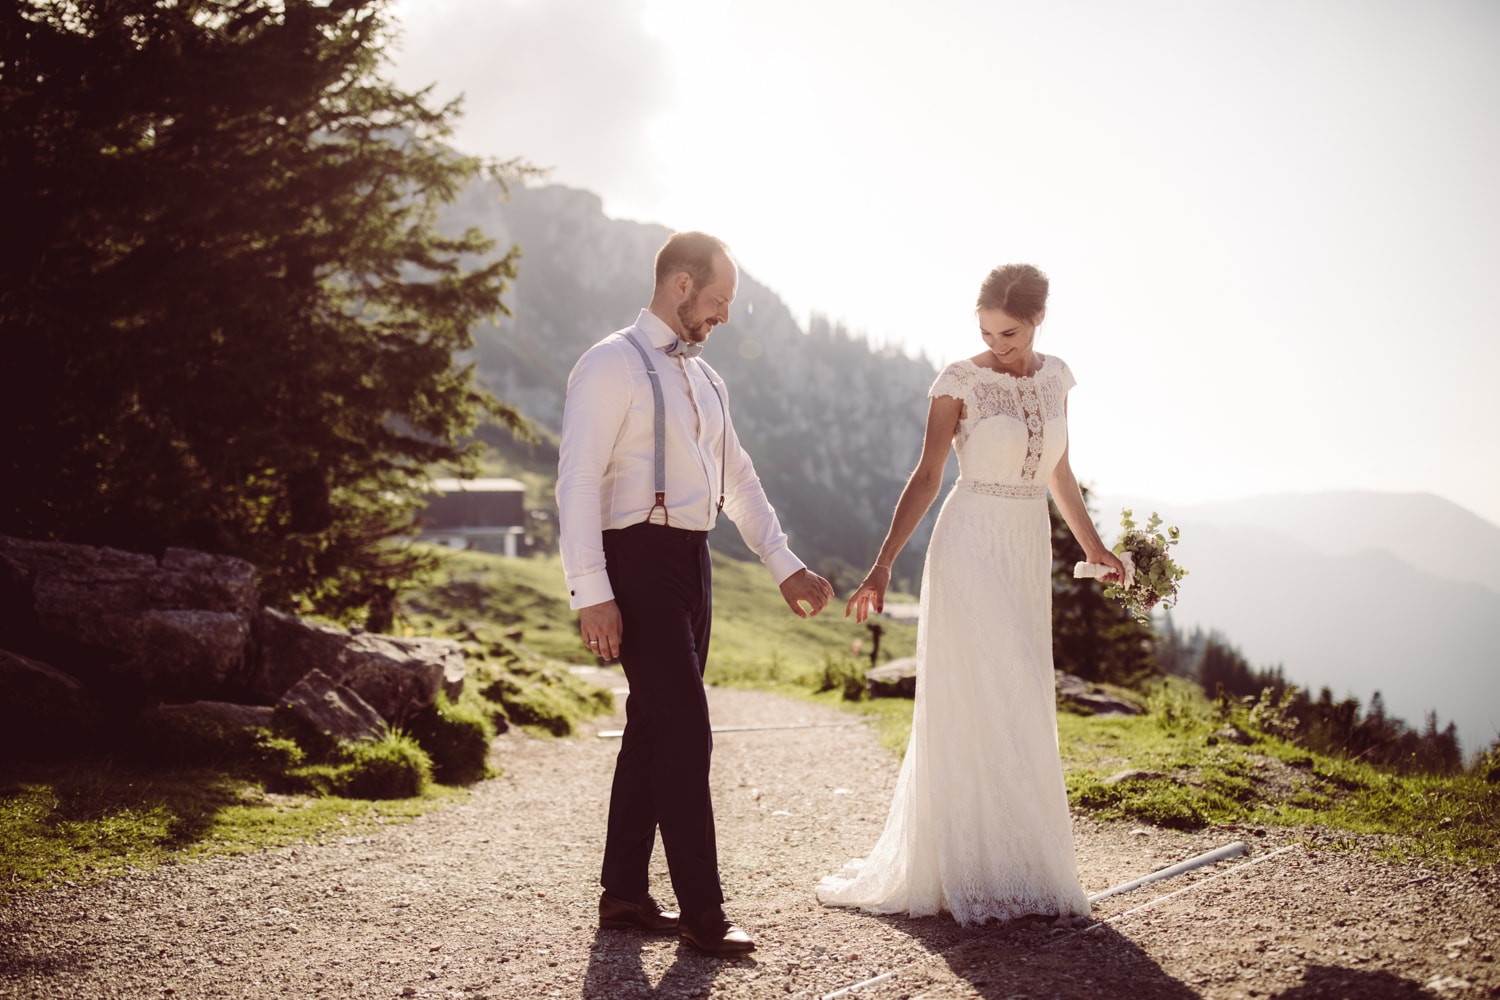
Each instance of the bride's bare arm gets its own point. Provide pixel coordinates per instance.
(1069, 500)
(921, 489)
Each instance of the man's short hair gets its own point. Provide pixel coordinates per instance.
(693, 252)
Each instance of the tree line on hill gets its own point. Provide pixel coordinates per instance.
(1330, 725)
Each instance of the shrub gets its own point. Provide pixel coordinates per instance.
(457, 738)
(392, 767)
(277, 755)
(1177, 712)
(844, 675)
(1487, 766)
(1273, 716)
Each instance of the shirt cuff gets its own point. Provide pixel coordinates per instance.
(590, 589)
(782, 564)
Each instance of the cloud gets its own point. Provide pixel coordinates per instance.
(568, 84)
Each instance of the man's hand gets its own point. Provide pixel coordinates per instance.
(602, 629)
(806, 586)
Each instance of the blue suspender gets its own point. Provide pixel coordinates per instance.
(661, 431)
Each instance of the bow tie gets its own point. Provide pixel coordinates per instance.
(680, 348)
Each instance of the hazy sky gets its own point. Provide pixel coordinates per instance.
(1272, 227)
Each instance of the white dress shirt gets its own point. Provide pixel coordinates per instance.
(606, 470)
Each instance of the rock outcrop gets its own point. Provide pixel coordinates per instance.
(896, 679)
(42, 709)
(1090, 698)
(87, 627)
(174, 628)
(397, 677)
(320, 704)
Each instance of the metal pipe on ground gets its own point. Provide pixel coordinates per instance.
(858, 986)
(1234, 850)
(1189, 888)
(614, 734)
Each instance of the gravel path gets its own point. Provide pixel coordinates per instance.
(495, 898)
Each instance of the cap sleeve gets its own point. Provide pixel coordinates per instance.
(952, 381)
(1065, 379)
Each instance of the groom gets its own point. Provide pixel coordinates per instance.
(648, 460)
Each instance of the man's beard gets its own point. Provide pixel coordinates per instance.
(696, 329)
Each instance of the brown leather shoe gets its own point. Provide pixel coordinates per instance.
(713, 934)
(643, 914)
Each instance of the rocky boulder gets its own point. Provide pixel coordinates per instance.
(1090, 698)
(43, 711)
(402, 677)
(319, 705)
(201, 731)
(127, 630)
(285, 649)
(173, 627)
(399, 678)
(897, 679)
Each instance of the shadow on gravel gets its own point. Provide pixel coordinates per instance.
(1329, 982)
(25, 964)
(1028, 958)
(615, 970)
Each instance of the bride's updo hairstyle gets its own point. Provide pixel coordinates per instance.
(1018, 290)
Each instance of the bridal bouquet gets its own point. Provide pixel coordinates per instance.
(1151, 575)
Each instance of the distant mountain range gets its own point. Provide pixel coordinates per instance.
(1355, 591)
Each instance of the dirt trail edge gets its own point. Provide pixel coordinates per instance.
(494, 899)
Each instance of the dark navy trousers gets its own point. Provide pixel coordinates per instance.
(661, 577)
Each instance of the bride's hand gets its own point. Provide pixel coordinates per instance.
(1111, 560)
(870, 594)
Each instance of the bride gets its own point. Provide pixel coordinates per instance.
(979, 824)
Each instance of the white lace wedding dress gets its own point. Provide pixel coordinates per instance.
(979, 824)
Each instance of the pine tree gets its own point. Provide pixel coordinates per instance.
(229, 320)
(1092, 636)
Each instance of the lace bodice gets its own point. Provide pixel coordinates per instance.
(1013, 431)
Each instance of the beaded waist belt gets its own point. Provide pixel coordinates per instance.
(1016, 491)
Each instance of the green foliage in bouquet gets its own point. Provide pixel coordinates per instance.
(1157, 575)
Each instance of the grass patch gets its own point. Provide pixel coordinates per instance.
(80, 822)
(1193, 778)
(494, 604)
(517, 608)
(518, 636)
(758, 641)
